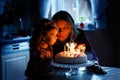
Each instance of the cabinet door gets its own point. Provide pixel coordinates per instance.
(13, 66)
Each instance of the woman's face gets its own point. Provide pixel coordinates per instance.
(52, 36)
(64, 30)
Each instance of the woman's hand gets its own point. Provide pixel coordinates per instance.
(80, 47)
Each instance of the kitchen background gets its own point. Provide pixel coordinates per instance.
(18, 17)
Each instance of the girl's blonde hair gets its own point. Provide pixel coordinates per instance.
(40, 31)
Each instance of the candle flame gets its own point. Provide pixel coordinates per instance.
(71, 47)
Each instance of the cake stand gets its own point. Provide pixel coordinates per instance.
(73, 68)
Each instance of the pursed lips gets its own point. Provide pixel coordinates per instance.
(61, 36)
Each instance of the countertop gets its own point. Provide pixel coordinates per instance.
(14, 40)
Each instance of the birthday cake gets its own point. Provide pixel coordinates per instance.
(72, 56)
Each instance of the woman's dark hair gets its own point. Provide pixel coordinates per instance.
(64, 15)
(40, 31)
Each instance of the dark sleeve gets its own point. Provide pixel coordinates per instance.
(82, 38)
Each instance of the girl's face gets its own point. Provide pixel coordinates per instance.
(64, 30)
(52, 36)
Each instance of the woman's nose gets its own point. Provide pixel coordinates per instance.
(60, 30)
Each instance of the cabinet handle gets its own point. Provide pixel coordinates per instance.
(14, 45)
(15, 48)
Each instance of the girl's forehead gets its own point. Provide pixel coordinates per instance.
(54, 31)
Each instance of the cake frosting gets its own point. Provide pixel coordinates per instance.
(72, 56)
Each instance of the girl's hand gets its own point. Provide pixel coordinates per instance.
(47, 54)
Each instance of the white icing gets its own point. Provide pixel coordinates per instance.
(70, 57)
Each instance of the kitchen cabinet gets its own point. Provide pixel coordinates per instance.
(14, 59)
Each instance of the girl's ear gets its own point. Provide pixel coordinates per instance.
(47, 39)
(42, 38)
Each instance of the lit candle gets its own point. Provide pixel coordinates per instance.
(71, 46)
(67, 45)
(64, 48)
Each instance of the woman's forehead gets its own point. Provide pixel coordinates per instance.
(61, 23)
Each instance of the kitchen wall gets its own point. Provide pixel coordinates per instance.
(106, 42)
(106, 46)
(15, 13)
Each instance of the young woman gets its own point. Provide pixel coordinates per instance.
(68, 33)
(44, 36)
